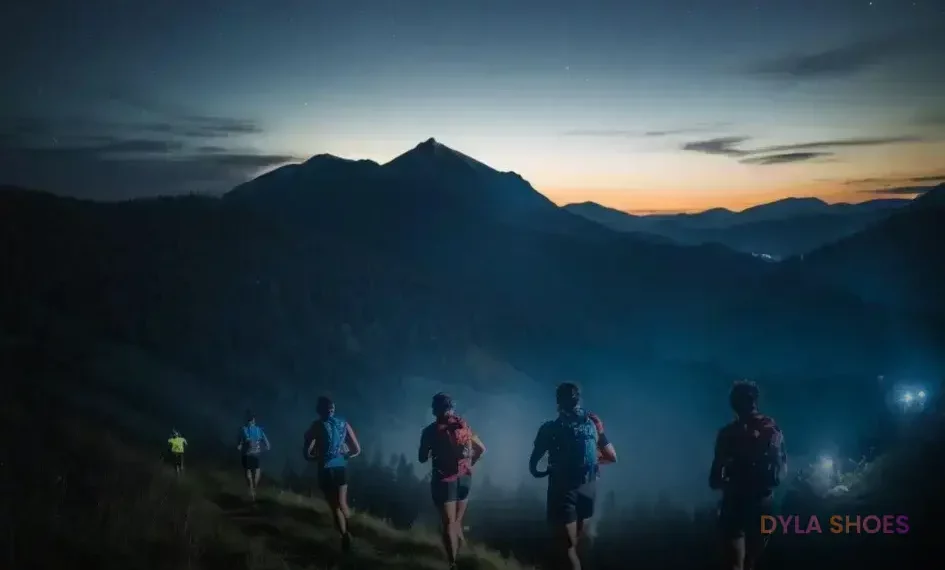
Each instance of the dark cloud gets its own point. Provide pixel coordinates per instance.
(898, 190)
(196, 126)
(36, 129)
(245, 161)
(222, 126)
(201, 127)
(904, 181)
(165, 149)
(929, 178)
(786, 158)
(840, 143)
(111, 161)
(178, 119)
(676, 132)
(139, 146)
(784, 154)
(211, 149)
(138, 150)
(153, 117)
(102, 147)
(862, 181)
(844, 60)
(163, 128)
(88, 172)
(722, 145)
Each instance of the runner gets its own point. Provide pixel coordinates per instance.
(455, 449)
(177, 445)
(252, 438)
(331, 441)
(749, 462)
(576, 446)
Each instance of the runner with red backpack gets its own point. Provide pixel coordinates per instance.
(331, 442)
(749, 462)
(576, 446)
(454, 449)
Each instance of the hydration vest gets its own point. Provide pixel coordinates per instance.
(573, 456)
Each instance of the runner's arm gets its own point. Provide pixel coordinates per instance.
(715, 472)
(608, 453)
(353, 442)
(265, 439)
(312, 446)
(478, 449)
(239, 441)
(424, 452)
(607, 450)
(539, 451)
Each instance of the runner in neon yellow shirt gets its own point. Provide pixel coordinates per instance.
(177, 444)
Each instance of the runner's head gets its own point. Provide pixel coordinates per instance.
(568, 396)
(250, 418)
(325, 407)
(442, 405)
(175, 433)
(744, 397)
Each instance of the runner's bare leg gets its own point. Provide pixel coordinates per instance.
(450, 536)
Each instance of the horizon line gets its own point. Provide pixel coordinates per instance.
(829, 196)
(677, 211)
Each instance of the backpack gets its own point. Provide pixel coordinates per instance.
(755, 454)
(252, 440)
(573, 456)
(331, 447)
(452, 447)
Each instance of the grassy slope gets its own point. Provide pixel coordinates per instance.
(96, 500)
(86, 493)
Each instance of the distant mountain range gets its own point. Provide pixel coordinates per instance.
(899, 260)
(781, 229)
(362, 279)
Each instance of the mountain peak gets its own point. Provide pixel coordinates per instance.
(433, 154)
(785, 207)
(431, 145)
(796, 200)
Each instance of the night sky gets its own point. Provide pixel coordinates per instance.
(641, 105)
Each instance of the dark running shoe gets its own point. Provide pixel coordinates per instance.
(346, 542)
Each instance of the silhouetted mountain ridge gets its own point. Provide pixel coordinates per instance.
(784, 208)
(899, 260)
(783, 228)
(428, 186)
